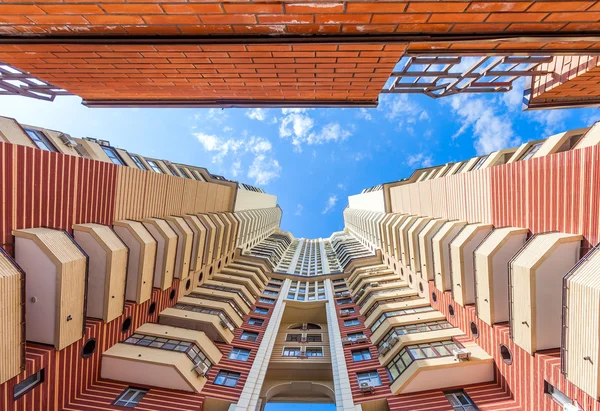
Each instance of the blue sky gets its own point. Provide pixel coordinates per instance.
(311, 159)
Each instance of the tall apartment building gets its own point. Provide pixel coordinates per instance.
(134, 282)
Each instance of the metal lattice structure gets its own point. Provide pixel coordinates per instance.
(448, 75)
(15, 82)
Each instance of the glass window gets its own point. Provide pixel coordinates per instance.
(291, 351)
(227, 378)
(261, 310)
(460, 401)
(314, 338)
(183, 172)
(154, 166)
(370, 377)
(408, 354)
(138, 162)
(557, 395)
(28, 384)
(479, 162)
(293, 337)
(270, 292)
(355, 336)
(256, 321)
(344, 301)
(190, 349)
(131, 397)
(314, 352)
(40, 140)
(240, 354)
(266, 300)
(531, 151)
(361, 355)
(249, 336)
(353, 321)
(113, 155)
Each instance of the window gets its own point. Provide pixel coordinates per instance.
(266, 300)
(349, 310)
(361, 355)
(190, 349)
(460, 401)
(261, 310)
(557, 395)
(531, 151)
(154, 166)
(314, 338)
(412, 329)
(269, 292)
(411, 353)
(28, 384)
(256, 321)
(370, 377)
(314, 352)
(356, 336)
(227, 378)
(337, 287)
(40, 140)
(293, 337)
(131, 397)
(138, 162)
(274, 285)
(291, 351)
(479, 163)
(113, 155)
(397, 313)
(353, 321)
(240, 354)
(344, 301)
(183, 172)
(249, 336)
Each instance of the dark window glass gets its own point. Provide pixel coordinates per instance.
(131, 397)
(361, 355)
(113, 155)
(40, 140)
(240, 354)
(138, 162)
(28, 384)
(227, 378)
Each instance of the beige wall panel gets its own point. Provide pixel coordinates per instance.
(107, 270)
(211, 197)
(11, 132)
(439, 207)
(142, 256)
(188, 203)
(199, 242)
(210, 245)
(155, 195)
(130, 193)
(185, 240)
(11, 312)
(166, 251)
(415, 198)
(456, 197)
(426, 204)
(478, 196)
(174, 198)
(201, 194)
(56, 270)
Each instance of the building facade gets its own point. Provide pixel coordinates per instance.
(136, 282)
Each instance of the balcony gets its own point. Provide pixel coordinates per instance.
(214, 319)
(491, 272)
(185, 240)
(162, 356)
(381, 324)
(107, 270)
(141, 258)
(403, 235)
(166, 250)
(461, 256)
(437, 365)
(426, 248)
(535, 289)
(441, 253)
(199, 242)
(55, 268)
(413, 243)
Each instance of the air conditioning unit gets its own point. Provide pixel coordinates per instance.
(201, 369)
(344, 313)
(375, 284)
(347, 341)
(366, 387)
(385, 348)
(67, 140)
(345, 294)
(362, 339)
(462, 354)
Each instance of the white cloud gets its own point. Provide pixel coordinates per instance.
(341, 186)
(513, 99)
(264, 169)
(589, 118)
(331, 202)
(492, 131)
(236, 168)
(364, 114)
(396, 106)
(259, 114)
(553, 121)
(299, 210)
(298, 125)
(419, 160)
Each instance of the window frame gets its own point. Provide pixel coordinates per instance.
(316, 351)
(116, 158)
(128, 403)
(28, 386)
(249, 333)
(368, 376)
(227, 375)
(40, 137)
(351, 322)
(556, 395)
(361, 352)
(459, 406)
(137, 160)
(291, 351)
(253, 320)
(261, 308)
(154, 166)
(240, 352)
